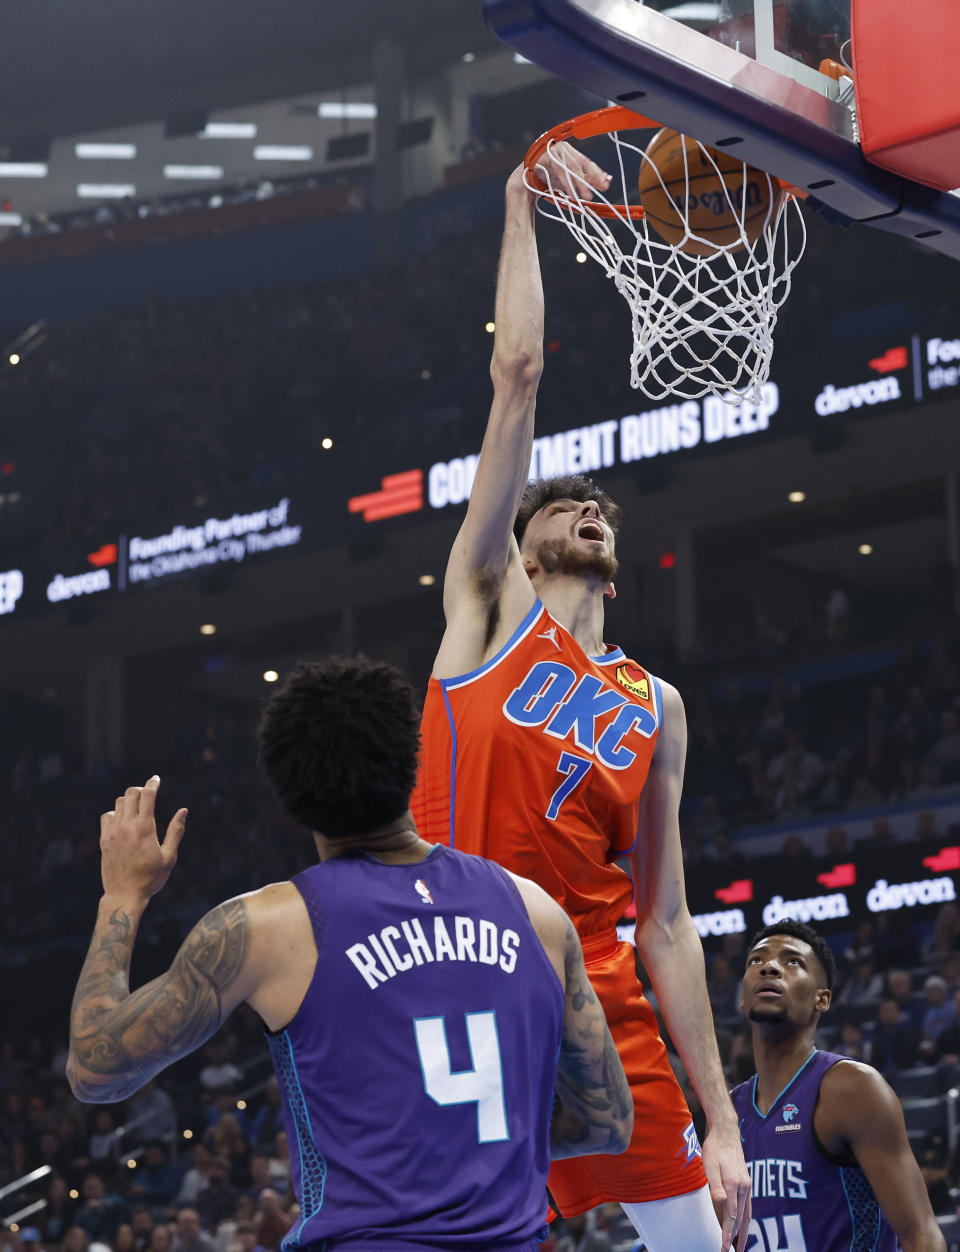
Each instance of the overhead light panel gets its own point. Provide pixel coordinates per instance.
(282, 152)
(11, 219)
(347, 108)
(105, 191)
(23, 169)
(229, 130)
(105, 151)
(193, 171)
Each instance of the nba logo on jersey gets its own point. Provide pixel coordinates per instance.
(423, 891)
(790, 1111)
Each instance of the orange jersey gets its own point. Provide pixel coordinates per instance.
(537, 760)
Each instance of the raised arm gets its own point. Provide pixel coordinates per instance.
(860, 1112)
(673, 956)
(118, 1041)
(593, 1107)
(484, 550)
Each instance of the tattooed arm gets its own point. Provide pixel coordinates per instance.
(593, 1107)
(119, 1040)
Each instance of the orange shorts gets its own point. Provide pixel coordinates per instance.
(663, 1158)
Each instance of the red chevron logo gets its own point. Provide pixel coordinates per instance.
(840, 876)
(739, 891)
(945, 859)
(399, 493)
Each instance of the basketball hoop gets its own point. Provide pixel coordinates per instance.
(703, 312)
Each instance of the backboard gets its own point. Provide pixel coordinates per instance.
(743, 75)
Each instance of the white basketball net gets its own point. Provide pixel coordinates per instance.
(701, 324)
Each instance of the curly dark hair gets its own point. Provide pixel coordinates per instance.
(579, 487)
(821, 949)
(339, 743)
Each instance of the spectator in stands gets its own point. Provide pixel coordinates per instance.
(104, 1142)
(273, 1219)
(794, 851)
(152, 1113)
(794, 775)
(157, 1179)
(852, 1042)
(261, 1177)
(267, 1121)
(218, 1199)
(894, 1044)
(948, 1040)
(101, 1212)
(881, 835)
(221, 1074)
(141, 1223)
(864, 943)
(196, 1177)
(939, 1014)
(161, 1240)
(900, 988)
(864, 987)
(76, 1239)
(723, 990)
(124, 1240)
(836, 844)
(61, 1209)
(188, 1237)
(933, 1158)
(926, 829)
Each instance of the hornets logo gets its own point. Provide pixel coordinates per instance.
(634, 679)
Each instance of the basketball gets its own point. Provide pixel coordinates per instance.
(680, 170)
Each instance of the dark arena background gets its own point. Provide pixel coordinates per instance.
(247, 264)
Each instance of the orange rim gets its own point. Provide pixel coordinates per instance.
(599, 122)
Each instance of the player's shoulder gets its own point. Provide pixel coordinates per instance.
(857, 1097)
(850, 1079)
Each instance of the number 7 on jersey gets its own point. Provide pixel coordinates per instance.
(575, 769)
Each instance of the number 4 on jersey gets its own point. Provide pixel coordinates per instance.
(482, 1085)
(575, 769)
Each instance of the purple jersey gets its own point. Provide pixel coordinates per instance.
(804, 1199)
(418, 1073)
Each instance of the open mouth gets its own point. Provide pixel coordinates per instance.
(590, 529)
(769, 993)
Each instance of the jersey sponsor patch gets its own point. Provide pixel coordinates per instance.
(634, 679)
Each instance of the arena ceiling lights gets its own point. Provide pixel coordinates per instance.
(282, 152)
(202, 172)
(105, 151)
(23, 169)
(340, 109)
(105, 191)
(229, 130)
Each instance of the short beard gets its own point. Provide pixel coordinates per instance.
(767, 1018)
(559, 556)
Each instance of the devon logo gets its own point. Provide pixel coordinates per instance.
(790, 1111)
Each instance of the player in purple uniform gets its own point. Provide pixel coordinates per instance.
(416, 999)
(824, 1137)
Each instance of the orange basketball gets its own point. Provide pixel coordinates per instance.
(714, 201)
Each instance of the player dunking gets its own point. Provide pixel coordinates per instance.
(416, 999)
(554, 754)
(824, 1136)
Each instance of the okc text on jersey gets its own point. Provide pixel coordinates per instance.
(551, 697)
